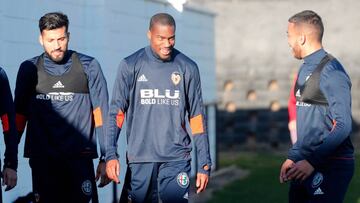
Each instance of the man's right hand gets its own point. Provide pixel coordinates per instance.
(113, 170)
(284, 168)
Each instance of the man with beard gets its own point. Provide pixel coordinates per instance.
(320, 164)
(7, 115)
(158, 89)
(62, 97)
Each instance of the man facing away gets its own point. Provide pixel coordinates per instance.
(320, 164)
(7, 115)
(158, 89)
(63, 98)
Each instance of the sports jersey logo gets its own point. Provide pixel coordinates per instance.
(176, 78)
(86, 187)
(56, 96)
(183, 180)
(154, 96)
(317, 180)
(186, 196)
(299, 103)
(318, 192)
(155, 93)
(142, 78)
(58, 85)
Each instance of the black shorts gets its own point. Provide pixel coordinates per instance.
(326, 184)
(63, 180)
(169, 180)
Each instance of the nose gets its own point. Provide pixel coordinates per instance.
(167, 43)
(56, 45)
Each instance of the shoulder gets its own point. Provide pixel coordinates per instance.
(32, 60)
(334, 67)
(184, 59)
(135, 57)
(334, 73)
(29, 65)
(85, 59)
(130, 62)
(90, 64)
(2, 74)
(186, 63)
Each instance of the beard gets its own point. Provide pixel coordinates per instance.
(56, 57)
(297, 52)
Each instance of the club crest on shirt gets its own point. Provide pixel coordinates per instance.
(183, 180)
(317, 180)
(86, 187)
(176, 78)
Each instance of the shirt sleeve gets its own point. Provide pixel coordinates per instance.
(25, 87)
(292, 102)
(100, 100)
(7, 114)
(294, 153)
(336, 87)
(197, 118)
(118, 107)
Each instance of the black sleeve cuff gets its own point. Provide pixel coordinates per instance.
(11, 164)
(203, 171)
(102, 159)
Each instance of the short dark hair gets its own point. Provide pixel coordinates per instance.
(163, 19)
(53, 20)
(311, 18)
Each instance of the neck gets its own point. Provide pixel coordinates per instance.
(158, 57)
(311, 48)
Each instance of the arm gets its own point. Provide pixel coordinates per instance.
(336, 87)
(7, 114)
(25, 88)
(198, 127)
(292, 113)
(99, 100)
(292, 102)
(118, 107)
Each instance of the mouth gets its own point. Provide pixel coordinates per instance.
(57, 55)
(57, 52)
(165, 51)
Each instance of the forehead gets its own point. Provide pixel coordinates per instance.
(158, 28)
(58, 32)
(292, 28)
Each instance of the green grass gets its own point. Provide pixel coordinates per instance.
(262, 185)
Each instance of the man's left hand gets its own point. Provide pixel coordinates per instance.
(300, 170)
(101, 175)
(9, 178)
(202, 181)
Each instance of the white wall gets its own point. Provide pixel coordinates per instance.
(108, 30)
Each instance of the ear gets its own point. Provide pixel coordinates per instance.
(41, 40)
(149, 34)
(302, 39)
(68, 35)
